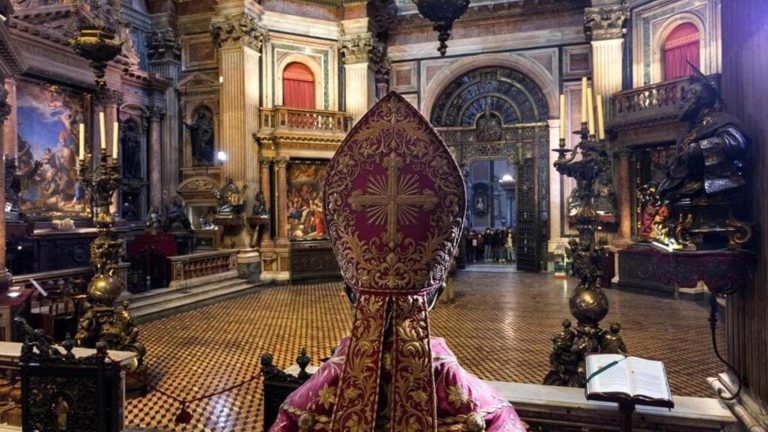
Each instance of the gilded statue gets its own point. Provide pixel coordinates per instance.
(231, 199)
(260, 206)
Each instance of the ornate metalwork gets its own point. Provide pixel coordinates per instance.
(588, 303)
(512, 96)
(101, 320)
(98, 39)
(231, 199)
(442, 13)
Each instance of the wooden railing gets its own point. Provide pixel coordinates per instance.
(185, 267)
(659, 102)
(305, 120)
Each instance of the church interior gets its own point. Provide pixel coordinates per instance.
(402, 215)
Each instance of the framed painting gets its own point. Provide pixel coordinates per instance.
(48, 120)
(306, 220)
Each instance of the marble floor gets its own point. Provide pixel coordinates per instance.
(500, 326)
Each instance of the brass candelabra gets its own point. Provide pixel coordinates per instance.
(588, 303)
(101, 320)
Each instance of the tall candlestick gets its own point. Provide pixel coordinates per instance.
(114, 140)
(583, 99)
(600, 119)
(102, 132)
(562, 116)
(81, 139)
(590, 112)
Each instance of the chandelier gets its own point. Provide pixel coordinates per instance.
(442, 13)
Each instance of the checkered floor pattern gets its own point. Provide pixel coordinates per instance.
(500, 327)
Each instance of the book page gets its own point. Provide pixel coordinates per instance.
(615, 379)
(648, 378)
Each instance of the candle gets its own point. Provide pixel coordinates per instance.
(583, 99)
(102, 132)
(562, 116)
(590, 112)
(82, 141)
(600, 119)
(114, 140)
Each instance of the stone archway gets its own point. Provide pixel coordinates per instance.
(498, 113)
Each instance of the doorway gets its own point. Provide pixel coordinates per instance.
(493, 120)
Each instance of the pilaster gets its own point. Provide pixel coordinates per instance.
(239, 37)
(164, 53)
(359, 75)
(605, 26)
(156, 115)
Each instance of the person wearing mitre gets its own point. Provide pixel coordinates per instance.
(394, 204)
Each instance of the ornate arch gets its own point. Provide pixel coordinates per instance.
(689, 17)
(493, 95)
(533, 70)
(307, 61)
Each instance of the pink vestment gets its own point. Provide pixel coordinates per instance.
(459, 395)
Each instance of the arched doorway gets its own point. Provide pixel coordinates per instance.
(494, 121)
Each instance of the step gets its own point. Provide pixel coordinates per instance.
(179, 300)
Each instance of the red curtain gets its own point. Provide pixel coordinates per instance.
(298, 87)
(680, 48)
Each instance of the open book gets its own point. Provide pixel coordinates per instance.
(612, 377)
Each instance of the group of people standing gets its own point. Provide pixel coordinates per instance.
(490, 245)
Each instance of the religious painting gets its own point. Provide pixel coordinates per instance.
(650, 167)
(306, 220)
(48, 121)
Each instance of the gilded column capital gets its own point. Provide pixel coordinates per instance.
(356, 48)
(281, 162)
(605, 23)
(163, 45)
(238, 30)
(265, 162)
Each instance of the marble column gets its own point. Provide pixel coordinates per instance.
(266, 237)
(156, 115)
(10, 132)
(164, 53)
(604, 26)
(239, 37)
(5, 275)
(359, 77)
(281, 213)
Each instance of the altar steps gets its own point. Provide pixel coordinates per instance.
(162, 302)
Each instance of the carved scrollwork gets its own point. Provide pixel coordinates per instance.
(234, 30)
(606, 22)
(163, 45)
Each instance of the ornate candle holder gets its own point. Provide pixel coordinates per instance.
(588, 303)
(102, 320)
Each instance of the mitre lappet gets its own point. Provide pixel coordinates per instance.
(394, 204)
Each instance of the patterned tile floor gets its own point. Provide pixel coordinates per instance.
(500, 327)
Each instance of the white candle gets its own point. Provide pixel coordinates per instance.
(583, 99)
(114, 140)
(81, 137)
(562, 116)
(600, 119)
(102, 132)
(590, 112)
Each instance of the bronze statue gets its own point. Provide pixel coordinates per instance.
(710, 158)
(201, 132)
(702, 189)
(260, 206)
(231, 198)
(176, 219)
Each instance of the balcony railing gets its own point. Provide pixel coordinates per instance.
(655, 103)
(305, 120)
(186, 267)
